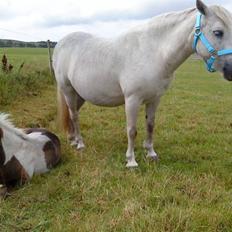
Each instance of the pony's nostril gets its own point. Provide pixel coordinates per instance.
(227, 68)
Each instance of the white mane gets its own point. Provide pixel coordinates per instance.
(5, 121)
(7, 124)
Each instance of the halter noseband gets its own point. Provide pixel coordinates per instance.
(214, 53)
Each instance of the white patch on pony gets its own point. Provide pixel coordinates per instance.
(40, 165)
(27, 149)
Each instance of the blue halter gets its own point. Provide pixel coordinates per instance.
(214, 53)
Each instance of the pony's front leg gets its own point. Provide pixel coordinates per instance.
(131, 106)
(150, 118)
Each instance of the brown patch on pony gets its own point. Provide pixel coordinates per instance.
(150, 128)
(51, 148)
(13, 173)
(51, 155)
(133, 132)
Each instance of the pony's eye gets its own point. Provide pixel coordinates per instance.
(218, 33)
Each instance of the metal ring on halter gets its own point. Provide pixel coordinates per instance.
(198, 32)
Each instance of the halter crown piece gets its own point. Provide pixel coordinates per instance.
(212, 51)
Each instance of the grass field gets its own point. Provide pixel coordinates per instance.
(190, 189)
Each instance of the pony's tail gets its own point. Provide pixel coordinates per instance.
(63, 111)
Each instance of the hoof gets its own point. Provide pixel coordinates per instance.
(152, 155)
(80, 145)
(154, 158)
(132, 164)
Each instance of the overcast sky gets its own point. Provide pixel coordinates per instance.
(33, 20)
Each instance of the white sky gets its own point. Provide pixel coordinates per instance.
(33, 20)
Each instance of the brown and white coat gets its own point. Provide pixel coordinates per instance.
(25, 152)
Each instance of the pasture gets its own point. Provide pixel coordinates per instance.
(190, 189)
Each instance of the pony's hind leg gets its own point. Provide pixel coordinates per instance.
(74, 103)
(150, 118)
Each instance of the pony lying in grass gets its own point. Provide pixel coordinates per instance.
(25, 152)
(137, 67)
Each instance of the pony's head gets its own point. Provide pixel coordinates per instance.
(216, 25)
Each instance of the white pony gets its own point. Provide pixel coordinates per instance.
(25, 152)
(135, 68)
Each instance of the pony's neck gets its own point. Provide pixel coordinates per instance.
(177, 29)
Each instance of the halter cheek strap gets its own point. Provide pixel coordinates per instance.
(213, 52)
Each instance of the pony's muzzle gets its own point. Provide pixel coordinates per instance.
(227, 71)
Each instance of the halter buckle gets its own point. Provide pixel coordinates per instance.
(198, 32)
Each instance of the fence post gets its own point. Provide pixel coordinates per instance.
(50, 58)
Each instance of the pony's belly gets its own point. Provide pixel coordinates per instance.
(103, 99)
(108, 103)
(100, 91)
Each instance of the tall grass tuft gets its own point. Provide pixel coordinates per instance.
(19, 84)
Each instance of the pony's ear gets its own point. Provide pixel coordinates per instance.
(202, 7)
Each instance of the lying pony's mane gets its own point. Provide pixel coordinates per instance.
(6, 123)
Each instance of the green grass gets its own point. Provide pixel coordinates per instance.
(28, 80)
(190, 189)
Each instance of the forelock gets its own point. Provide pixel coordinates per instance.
(223, 14)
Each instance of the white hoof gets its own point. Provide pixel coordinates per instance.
(80, 145)
(132, 164)
(153, 156)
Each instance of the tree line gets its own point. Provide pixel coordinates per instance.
(22, 44)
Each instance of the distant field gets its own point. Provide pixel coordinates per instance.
(190, 189)
(28, 55)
